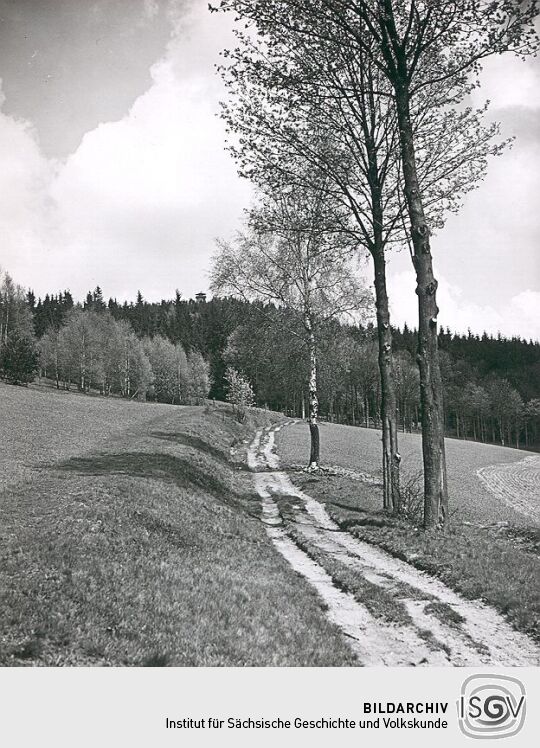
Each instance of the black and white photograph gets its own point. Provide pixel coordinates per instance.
(270, 336)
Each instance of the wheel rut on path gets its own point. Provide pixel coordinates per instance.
(436, 626)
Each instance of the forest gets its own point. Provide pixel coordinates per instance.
(178, 350)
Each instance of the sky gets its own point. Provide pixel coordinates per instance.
(113, 168)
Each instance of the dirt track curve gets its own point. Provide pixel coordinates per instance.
(468, 633)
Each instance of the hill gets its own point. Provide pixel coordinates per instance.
(127, 537)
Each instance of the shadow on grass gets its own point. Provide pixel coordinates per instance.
(349, 507)
(195, 442)
(177, 471)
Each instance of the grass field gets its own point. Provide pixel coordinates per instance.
(359, 449)
(128, 537)
(491, 551)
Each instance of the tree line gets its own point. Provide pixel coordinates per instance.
(178, 351)
(491, 385)
(86, 347)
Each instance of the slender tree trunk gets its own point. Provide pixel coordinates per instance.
(313, 397)
(431, 390)
(391, 456)
(127, 384)
(83, 364)
(56, 370)
(386, 399)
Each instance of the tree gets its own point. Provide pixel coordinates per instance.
(94, 300)
(162, 357)
(18, 352)
(294, 256)
(516, 410)
(181, 375)
(19, 359)
(506, 408)
(51, 355)
(268, 348)
(83, 353)
(423, 51)
(532, 419)
(199, 378)
(133, 369)
(170, 369)
(474, 405)
(51, 312)
(408, 389)
(15, 314)
(364, 376)
(239, 393)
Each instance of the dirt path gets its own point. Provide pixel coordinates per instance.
(420, 621)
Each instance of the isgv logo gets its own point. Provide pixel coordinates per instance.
(491, 706)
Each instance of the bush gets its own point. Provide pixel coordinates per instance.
(412, 498)
(239, 393)
(19, 360)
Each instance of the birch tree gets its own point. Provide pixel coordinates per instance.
(199, 378)
(293, 254)
(51, 355)
(79, 339)
(170, 369)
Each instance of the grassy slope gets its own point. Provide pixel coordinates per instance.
(500, 565)
(128, 537)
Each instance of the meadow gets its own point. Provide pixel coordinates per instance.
(359, 450)
(131, 534)
(491, 551)
(128, 537)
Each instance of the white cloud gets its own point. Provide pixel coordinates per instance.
(143, 199)
(509, 82)
(519, 316)
(25, 207)
(140, 202)
(151, 8)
